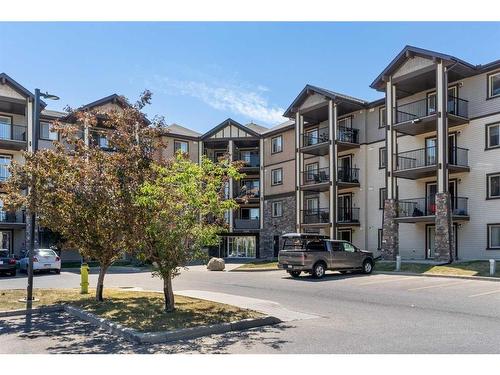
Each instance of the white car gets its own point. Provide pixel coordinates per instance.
(44, 259)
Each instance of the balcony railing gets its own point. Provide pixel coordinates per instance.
(316, 176)
(12, 217)
(347, 214)
(249, 161)
(13, 132)
(416, 207)
(247, 191)
(246, 223)
(347, 135)
(316, 216)
(348, 175)
(316, 136)
(425, 157)
(426, 107)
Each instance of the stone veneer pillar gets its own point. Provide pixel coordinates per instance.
(390, 230)
(444, 241)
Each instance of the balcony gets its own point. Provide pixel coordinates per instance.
(347, 178)
(13, 137)
(316, 180)
(420, 116)
(347, 216)
(317, 216)
(423, 210)
(12, 220)
(347, 138)
(247, 191)
(247, 224)
(421, 163)
(316, 141)
(251, 162)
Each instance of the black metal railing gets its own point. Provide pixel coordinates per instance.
(349, 175)
(316, 176)
(12, 217)
(424, 157)
(13, 132)
(347, 214)
(249, 160)
(247, 190)
(246, 223)
(416, 207)
(316, 216)
(315, 136)
(347, 134)
(426, 107)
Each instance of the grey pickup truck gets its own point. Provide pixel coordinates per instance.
(315, 254)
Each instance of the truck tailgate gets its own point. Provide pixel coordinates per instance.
(291, 257)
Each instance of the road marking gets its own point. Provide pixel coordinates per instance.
(438, 285)
(403, 278)
(485, 293)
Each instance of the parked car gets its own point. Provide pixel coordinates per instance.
(8, 264)
(43, 260)
(315, 254)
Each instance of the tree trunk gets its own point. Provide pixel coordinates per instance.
(168, 292)
(100, 282)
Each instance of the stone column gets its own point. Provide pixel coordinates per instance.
(444, 241)
(390, 230)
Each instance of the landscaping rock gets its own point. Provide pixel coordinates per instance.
(216, 264)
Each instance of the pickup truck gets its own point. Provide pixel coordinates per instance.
(315, 254)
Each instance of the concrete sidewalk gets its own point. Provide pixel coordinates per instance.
(260, 305)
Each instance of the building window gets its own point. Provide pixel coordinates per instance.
(311, 171)
(249, 214)
(493, 186)
(277, 209)
(46, 133)
(492, 136)
(382, 158)
(494, 236)
(494, 85)
(379, 240)
(382, 196)
(181, 146)
(277, 176)
(277, 144)
(4, 167)
(382, 117)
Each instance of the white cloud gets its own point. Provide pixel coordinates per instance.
(240, 99)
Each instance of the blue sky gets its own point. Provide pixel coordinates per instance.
(203, 73)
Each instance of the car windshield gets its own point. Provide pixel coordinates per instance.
(46, 253)
(4, 253)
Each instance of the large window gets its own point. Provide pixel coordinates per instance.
(494, 85)
(181, 146)
(382, 158)
(4, 167)
(382, 117)
(492, 136)
(46, 133)
(493, 186)
(277, 144)
(277, 176)
(277, 209)
(494, 236)
(311, 171)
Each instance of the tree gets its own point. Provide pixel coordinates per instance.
(87, 193)
(183, 210)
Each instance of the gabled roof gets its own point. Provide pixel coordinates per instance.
(113, 98)
(335, 96)
(227, 122)
(280, 127)
(176, 129)
(4, 77)
(409, 51)
(256, 128)
(53, 114)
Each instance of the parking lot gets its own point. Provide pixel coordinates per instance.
(355, 313)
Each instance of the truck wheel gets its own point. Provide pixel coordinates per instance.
(294, 274)
(319, 270)
(367, 266)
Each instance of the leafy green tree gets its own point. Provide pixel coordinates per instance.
(183, 210)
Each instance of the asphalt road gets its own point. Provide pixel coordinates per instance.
(353, 314)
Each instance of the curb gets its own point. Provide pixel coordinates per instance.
(168, 336)
(37, 310)
(463, 277)
(255, 270)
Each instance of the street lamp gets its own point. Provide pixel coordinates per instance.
(33, 147)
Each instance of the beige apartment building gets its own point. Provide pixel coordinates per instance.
(415, 173)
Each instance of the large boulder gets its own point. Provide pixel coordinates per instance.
(216, 264)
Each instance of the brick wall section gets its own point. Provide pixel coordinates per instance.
(276, 226)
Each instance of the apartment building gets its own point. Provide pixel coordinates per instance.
(415, 173)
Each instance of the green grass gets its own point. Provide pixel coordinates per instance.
(143, 311)
(472, 268)
(259, 265)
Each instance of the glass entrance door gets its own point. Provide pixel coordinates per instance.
(240, 246)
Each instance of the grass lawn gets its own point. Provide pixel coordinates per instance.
(262, 265)
(142, 311)
(472, 268)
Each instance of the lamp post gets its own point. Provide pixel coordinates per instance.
(33, 147)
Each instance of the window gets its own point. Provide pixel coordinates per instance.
(250, 214)
(382, 158)
(312, 204)
(311, 171)
(5, 127)
(432, 104)
(4, 167)
(312, 137)
(382, 196)
(46, 133)
(277, 209)
(379, 240)
(493, 186)
(382, 117)
(349, 247)
(181, 146)
(492, 136)
(276, 144)
(277, 176)
(493, 236)
(494, 85)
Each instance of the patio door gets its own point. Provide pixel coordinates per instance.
(430, 235)
(344, 204)
(5, 127)
(344, 168)
(452, 101)
(431, 196)
(431, 150)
